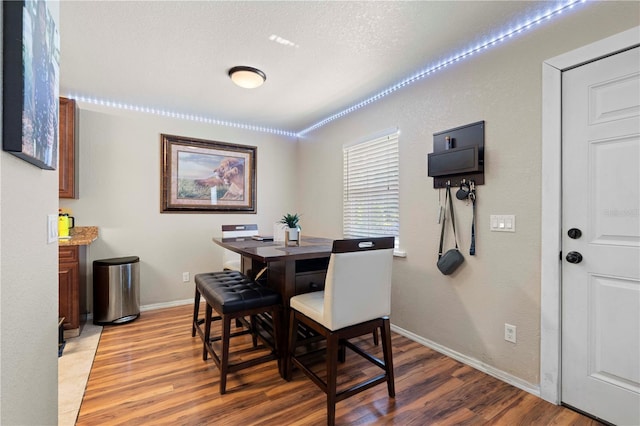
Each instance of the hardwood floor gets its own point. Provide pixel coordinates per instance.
(151, 371)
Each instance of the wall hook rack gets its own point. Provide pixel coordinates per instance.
(458, 155)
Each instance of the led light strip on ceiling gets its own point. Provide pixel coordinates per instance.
(524, 27)
(416, 77)
(181, 116)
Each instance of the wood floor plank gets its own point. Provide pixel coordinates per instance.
(150, 371)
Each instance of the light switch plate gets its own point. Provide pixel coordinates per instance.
(52, 228)
(502, 223)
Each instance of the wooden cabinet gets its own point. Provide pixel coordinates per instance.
(310, 274)
(68, 295)
(68, 149)
(72, 288)
(307, 282)
(304, 275)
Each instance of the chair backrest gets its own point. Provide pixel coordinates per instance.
(231, 260)
(233, 231)
(358, 283)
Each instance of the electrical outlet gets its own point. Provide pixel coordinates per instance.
(510, 333)
(185, 277)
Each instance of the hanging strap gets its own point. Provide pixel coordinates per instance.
(453, 219)
(447, 197)
(444, 220)
(472, 249)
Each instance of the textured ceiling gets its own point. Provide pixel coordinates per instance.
(320, 57)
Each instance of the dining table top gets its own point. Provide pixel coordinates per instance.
(271, 251)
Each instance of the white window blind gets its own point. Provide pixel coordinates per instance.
(371, 189)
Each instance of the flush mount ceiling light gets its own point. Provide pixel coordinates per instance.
(247, 77)
(506, 34)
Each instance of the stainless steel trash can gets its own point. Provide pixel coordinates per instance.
(116, 290)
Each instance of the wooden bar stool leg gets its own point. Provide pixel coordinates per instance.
(388, 358)
(332, 374)
(293, 341)
(342, 352)
(207, 332)
(224, 357)
(254, 330)
(275, 314)
(196, 310)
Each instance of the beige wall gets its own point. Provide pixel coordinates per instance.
(119, 173)
(466, 312)
(120, 193)
(28, 291)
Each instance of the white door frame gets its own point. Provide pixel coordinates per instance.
(551, 238)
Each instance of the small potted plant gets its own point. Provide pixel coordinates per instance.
(293, 231)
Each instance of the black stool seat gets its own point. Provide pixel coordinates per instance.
(231, 291)
(233, 295)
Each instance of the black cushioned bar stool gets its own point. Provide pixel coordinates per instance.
(234, 296)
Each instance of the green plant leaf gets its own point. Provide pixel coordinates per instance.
(291, 220)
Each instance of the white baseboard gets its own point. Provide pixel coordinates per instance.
(472, 362)
(166, 305)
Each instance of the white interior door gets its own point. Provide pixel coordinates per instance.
(601, 200)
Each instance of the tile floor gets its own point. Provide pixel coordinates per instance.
(73, 372)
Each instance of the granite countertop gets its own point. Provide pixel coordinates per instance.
(80, 236)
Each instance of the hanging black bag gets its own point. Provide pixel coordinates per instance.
(449, 261)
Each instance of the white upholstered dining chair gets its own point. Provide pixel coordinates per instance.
(356, 301)
(232, 261)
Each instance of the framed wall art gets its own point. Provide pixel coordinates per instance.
(201, 176)
(31, 64)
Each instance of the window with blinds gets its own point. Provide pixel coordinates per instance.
(371, 189)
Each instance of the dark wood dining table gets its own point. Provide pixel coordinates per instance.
(290, 270)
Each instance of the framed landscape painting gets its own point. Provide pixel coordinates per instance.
(31, 58)
(201, 176)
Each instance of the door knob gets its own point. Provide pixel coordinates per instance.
(574, 257)
(574, 233)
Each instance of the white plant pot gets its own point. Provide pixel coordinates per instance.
(292, 237)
